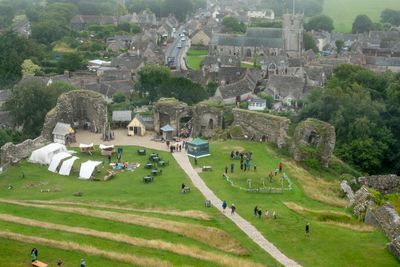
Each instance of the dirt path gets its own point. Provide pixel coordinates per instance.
(246, 227)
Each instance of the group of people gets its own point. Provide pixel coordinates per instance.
(258, 213)
(245, 161)
(225, 205)
(175, 147)
(279, 169)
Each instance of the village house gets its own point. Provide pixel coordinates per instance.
(200, 38)
(80, 22)
(137, 126)
(121, 118)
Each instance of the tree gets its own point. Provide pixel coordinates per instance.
(71, 62)
(339, 46)
(309, 42)
(391, 16)
(13, 51)
(30, 102)
(232, 25)
(362, 24)
(183, 89)
(48, 31)
(319, 23)
(150, 78)
(29, 68)
(119, 97)
(7, 13)
(9, 135)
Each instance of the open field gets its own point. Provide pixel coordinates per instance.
(344, 12)
(194, 57)
(333, 241)
(121, 222)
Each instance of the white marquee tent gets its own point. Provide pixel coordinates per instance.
(55, 161)
(87, 169)
(67, 166)
(45, 154)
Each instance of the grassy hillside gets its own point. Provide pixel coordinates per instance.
(121, 222)
(337, 239)
(343, 12)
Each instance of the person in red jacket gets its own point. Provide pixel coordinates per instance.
(280, 167)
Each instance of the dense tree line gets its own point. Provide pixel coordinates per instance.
(233, 25)
(391, 16)
(156, 82)
(319, 23)
(364, 107)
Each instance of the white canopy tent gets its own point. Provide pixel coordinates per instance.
(45, 154)
(55, 161)
(87, 169)
(67, 166)
(105, 147)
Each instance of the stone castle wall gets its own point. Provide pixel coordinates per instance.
(11, 153)
(207, 120)
(385, 184)
(257, 124)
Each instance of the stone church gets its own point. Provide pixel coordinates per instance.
(287, 41)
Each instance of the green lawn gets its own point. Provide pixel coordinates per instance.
(344, 12)
(194, 57)
(329, 245)
(126, 190)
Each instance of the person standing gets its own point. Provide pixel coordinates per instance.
(255, 211)
(308, 229)
(59, 263)
(34, 254)
(259, 213)
(241, 165)
(224, 205)
(83, 263)
(255, 167)
(233, 209)
(226, 169)
(274, 215)
(195, 161)
(266, 214)
(271, 176)
(280, 167)
(232, 167)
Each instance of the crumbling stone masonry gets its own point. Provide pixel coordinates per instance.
(315, 138)
(170, 111)
(257, 124)
(80, 108)
(207, 119)
(11, 154)
(385, 184)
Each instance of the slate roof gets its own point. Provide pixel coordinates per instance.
(127, 62)
(62, 128)
(122, 116)
(287, 85)
(198, 142)
(254, 37)
(383, 61)
(223, 60)
(236, 89)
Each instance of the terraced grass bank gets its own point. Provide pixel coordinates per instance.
(121, 222)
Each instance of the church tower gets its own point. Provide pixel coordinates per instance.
(293, 34)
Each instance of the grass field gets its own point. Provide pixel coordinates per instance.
(337, 239)
(194, 57)
(344, 12)
(121, 222)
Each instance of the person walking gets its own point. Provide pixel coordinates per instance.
(259, 213)
(233, 209)
(255, 211)
(224, 205)
(232, 167)
(308, 229)
(83, 263)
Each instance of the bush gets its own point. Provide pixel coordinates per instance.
(119, 97)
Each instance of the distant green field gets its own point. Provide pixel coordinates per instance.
(343, 12)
